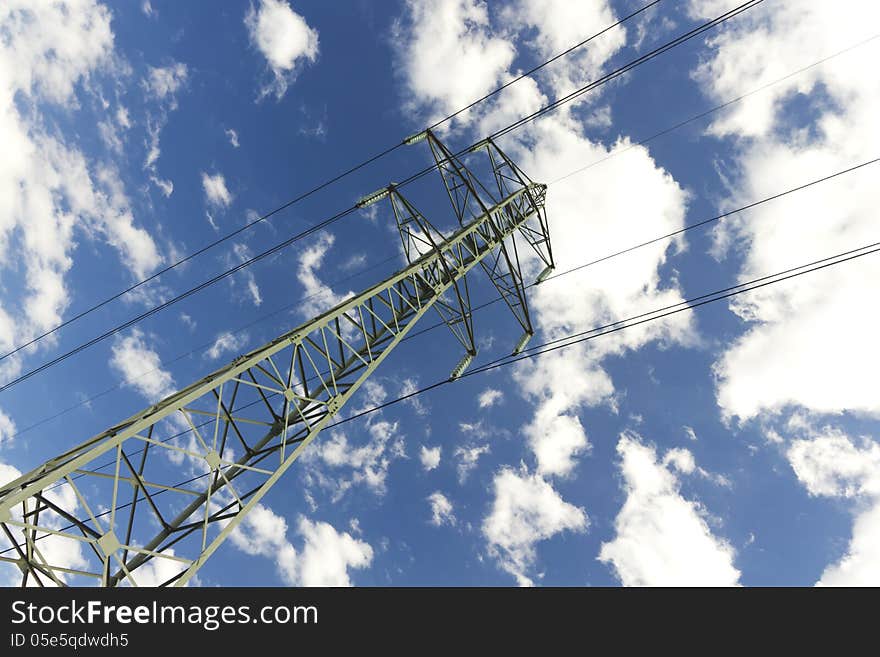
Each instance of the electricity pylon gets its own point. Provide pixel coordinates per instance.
(168, 486)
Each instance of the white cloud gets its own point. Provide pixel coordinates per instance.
(407, 387)
(232, 136)
(691, 434)
(8, 473)
(137, 248)
(211, 221)
(7, 431)
(681, 459)
(216, 193)
(51, 196)
(326, 555)
(317, 296)
(110, 136)
(240, 253)
(430, 457)
(661, 538)
(141, 367)
(440, 37)
(154, 130)
(834, 465)
(561, 384)
(225, 343)
(441, 509)
(253, 289)
(122, 117)
(474, 430)
(284, 39)
(489, 397)
(156, 571)
(653, 27)
(556, 439)
(558, 24)
(338, 465)
(189, 321)
(448, 54)
(53, 47)
(374, 394)
(148, 10)
(525, 510)
(785, 358)
(860, 566)
(371, 213)
(561, 150)
(161, 87)
(468, 457)
(163, 82)
(600, 118)
(263, 532)
(357, 261)
(319, 131)
(797, 357)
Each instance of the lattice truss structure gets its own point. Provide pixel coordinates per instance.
(152, 497)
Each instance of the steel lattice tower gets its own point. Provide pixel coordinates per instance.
(171, 483)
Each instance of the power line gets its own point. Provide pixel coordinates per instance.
(557, 275)
(605, 79)
(543, 64)
(636, 320)
(688, 304)
(490, 302)
(698, 224)
(723, 215)
(495, 300)
(583, 336)
(669, 45)
(712, 110)
(322, 186)
(205, 346)
(339, 215)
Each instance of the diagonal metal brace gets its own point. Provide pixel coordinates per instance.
(419, 237)
(471, 199)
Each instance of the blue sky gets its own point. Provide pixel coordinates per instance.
(732, 445)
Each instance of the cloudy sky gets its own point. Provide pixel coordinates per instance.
(736, 444)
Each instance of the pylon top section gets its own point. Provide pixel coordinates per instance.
(169, 484)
